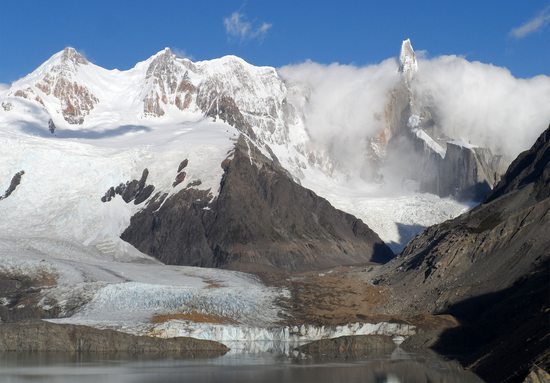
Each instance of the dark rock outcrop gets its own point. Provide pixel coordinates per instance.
(51, 126)
(137, 191)
(261, 220)
(183, 164)
(180, 177)
(14, 183)
(489, 268)
(39, 336)
(20, 294)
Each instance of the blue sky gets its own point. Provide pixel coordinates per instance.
(116, 34)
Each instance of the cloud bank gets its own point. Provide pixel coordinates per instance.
(342, 104)
(535, 24)
(484, 103)
(480, 103)
(238, 27)
(182, 53)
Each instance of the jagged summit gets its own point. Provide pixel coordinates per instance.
(443, 166)
(72, 55)
(163, 61)
(166, 52)
(64, 62)
(59, 87)
(407, 59)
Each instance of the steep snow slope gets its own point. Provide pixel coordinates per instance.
(65, 178)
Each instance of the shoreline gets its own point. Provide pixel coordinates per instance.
(42, 336)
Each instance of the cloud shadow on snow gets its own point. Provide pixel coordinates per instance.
(85, 133)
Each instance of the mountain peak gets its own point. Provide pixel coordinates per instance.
(407, 59)
(72, 55)
(165, 53)
(163, 62)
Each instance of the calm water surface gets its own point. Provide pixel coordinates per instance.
(394, 367)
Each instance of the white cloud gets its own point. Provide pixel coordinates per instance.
(181, 53)
(481, 103)
(4, 86)
(536, 23)
(485, 103)
(342, 104)
(238, 27)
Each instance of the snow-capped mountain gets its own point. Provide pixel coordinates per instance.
(255, 100)
(57, 84)
(167, 109)
(76, 92)
(109, 173)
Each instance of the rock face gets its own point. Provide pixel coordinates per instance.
(260, 220)
(137, 191)
(75, 99)
(439, 164)
(251, 99)
(49, 337)
(20, 296)
(489, 268)
(168, 84)
(466, 172)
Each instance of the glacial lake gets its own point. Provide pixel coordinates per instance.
(397, 366)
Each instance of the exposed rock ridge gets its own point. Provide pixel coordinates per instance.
(531, 166)
(260, 220)
(75, 99)
(169, 84)
(137, 191)
(407, 60)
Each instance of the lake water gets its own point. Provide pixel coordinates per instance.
(397, 366)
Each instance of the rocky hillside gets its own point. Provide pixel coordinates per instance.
(489, 268)
(260, 220)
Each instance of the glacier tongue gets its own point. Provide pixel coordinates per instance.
(292, 334)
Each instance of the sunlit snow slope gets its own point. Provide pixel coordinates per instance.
(89, 128)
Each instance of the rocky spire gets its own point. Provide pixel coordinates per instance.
(71, 54)
(407, 60)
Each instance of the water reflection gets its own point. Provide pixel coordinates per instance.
(267, 367)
